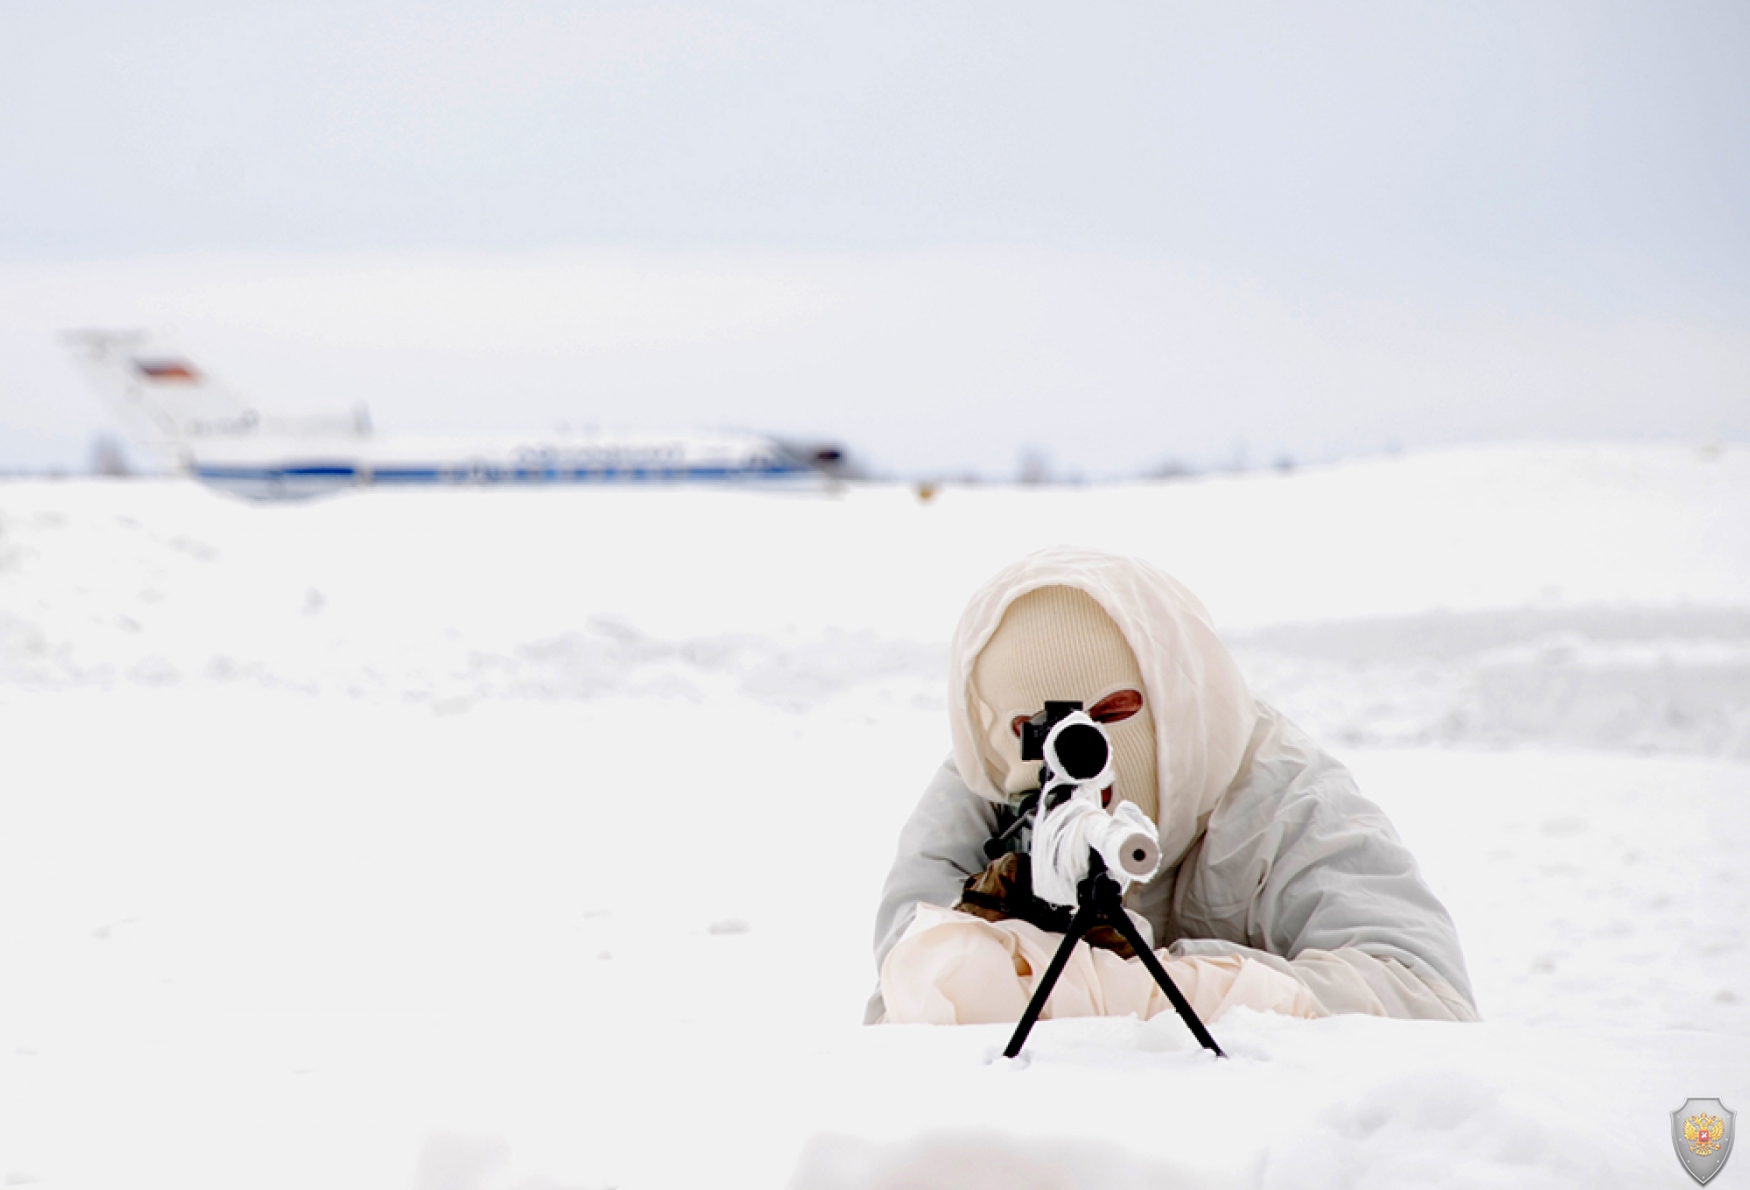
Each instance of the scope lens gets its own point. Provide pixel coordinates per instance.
(1081, 751)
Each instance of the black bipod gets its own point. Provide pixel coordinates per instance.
(1098, 898)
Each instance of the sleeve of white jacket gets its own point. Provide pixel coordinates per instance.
(941, 844)
(1296, 869)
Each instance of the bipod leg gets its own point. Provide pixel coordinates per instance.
(1112, 909)
(1078, 925)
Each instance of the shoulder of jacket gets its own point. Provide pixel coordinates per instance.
(1289, 793)
(1283, 767)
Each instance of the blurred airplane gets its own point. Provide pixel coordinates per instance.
(200, 427)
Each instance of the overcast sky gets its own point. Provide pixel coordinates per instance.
(1287, 229)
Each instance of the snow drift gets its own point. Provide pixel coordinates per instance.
(505, 841)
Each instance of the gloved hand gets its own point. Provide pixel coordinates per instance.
(1005, 890)
(1216, 983)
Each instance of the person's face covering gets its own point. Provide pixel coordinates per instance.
(1057, 643)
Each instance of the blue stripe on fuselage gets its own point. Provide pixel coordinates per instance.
(344, 472)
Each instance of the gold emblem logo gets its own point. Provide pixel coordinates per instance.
(1703, 1134)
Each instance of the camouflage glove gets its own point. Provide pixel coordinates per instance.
(1005, 890)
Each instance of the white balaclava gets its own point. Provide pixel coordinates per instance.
(1056, 643)
(1080, 624)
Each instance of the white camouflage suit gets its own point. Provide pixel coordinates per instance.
(1281, 887)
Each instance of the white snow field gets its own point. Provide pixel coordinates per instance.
(498, 840)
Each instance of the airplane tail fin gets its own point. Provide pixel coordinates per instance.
(163, 400)
(168, 404)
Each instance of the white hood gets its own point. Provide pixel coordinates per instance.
(1203, 715)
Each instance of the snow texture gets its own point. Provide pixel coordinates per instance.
(498, 840)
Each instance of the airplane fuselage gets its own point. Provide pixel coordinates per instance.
(271, 473)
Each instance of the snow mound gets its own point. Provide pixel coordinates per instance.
(1345, 1102)
(1640, 679)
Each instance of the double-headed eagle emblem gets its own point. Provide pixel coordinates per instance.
(1703, 1133)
